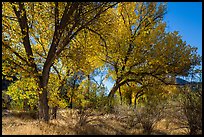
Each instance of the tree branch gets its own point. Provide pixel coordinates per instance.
(22, 19)
(12, 50)
(71, 35)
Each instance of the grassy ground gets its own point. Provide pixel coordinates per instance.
(69, 122)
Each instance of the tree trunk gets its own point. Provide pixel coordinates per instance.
(111, 94)
(43, 101)
(71, 105)
(113, 90)
(25, 105)
(88, 86)
(44, 108)
(139, 93)
(130, 100)
(71, 99)
(116, 87)
(40, 109)
(135, 102)
(121, 99)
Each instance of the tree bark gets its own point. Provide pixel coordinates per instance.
(130, 99)
(43, 101)
(44, 108)
(88, 86)
(121, 99)
(135, 102)
(25, 105)
(113, 90)
(139, 93)
(117, 85)
(71, 105)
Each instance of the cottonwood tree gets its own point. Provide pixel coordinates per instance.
(37, 33)
(138, 46)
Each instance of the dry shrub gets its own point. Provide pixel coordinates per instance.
(149, 116)
(189, 110)
(127, 114)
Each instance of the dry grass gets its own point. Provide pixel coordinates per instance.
(68, 122)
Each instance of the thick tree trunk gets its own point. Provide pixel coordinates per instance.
(111, 94)
(43, 106)
(116, 87)
(40, 109)
(113, 90)
(43, 101)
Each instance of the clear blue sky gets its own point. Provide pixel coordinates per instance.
(186, 17)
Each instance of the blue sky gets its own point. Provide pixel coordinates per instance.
(186, 17)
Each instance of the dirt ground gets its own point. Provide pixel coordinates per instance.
(69, 122)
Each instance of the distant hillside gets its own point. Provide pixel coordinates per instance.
(181, 81)
(195, 86)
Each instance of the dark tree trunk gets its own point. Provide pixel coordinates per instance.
(44, 108)
(113, 90)
(40, 109)
(135, 102)
(130, 100)
(71, 105)
(43, 101)
(117, 86)
(139, 93)
(71, 99)
(111, 94)
(121, 99)
(25, 105)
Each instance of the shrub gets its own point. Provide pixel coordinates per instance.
(191, 105)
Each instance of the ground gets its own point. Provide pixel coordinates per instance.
(69, 122)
